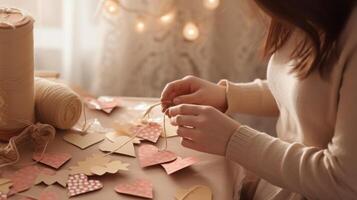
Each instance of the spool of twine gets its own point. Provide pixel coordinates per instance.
(56, 104)
(16, 72)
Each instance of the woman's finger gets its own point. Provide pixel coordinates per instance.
(188, 143)
(184, 120)
(175, 88)
(189, 133)
(184, 109)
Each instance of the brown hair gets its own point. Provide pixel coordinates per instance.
(322, 22)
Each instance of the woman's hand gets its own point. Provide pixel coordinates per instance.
(203, 128)
(193, 90)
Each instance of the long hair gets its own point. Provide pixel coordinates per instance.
(321, 21)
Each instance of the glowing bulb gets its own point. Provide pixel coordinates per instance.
(111, 6)
(190, 31)
(168, 18)
(140, 26)
(211, 4)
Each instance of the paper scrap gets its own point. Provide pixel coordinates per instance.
(24, 178)
(140, 188)
(55, 160)
(198, 192)
(5, 185)
(79, 184)
(123, 146)
(150, 155)
(114, 136)
(106, 104)
(111, 168)
(83, 141)
(60, 178)
(179, 164)
(150, 131)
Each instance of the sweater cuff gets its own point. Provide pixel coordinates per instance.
(239, 144)
(242, 97)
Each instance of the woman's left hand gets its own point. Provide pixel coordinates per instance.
(203, 128)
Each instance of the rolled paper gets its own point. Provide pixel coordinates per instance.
(56, 104)
(16, 72)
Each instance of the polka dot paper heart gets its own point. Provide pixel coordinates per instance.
(79, 184)
(140, 188)
(179, 164)
(150, 131)
(150, 155)
(55, 160)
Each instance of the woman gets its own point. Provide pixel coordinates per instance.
(311, 87)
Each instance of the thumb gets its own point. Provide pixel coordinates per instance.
(187, 99)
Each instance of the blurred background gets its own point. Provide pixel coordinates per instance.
(135, 47)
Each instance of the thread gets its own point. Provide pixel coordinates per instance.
(16, 71)
(56, 104)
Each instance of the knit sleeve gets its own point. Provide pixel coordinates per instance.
(316, 173)
(253, 98)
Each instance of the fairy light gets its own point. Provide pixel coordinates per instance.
(191, 31)
(211, 4)
(140, 26)
(111, 6)
(168, 18)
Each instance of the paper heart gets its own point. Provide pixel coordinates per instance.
(83, 140)
(106, 104)
(140, 188)
(24, 178)
(48, 195)
(123, 146)
(194, 193)
(55, 160)
(79, 184)
(179, 164)
(150, 155)
(111, 168)
(113, 136)
(60, 177)
(150, 131)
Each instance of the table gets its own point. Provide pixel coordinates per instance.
(214, 171)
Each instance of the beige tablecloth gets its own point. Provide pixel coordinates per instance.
(214, 171)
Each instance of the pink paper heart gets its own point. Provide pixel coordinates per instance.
(48, 195)
(79, 184)
(24, 178)
(140, 188)
(55, 160)
(150, 131)
(3, 196)
(150, 155)
(179, 164)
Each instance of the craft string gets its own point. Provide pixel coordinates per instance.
(146, 114)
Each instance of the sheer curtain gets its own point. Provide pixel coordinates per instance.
(65, 36)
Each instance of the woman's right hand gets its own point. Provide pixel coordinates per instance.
(193, 90)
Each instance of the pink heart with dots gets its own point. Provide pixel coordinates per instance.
(79, 184)
(150, 155)
(150, 131)
(55, 160)
(140, 188)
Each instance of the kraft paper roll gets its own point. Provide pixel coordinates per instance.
(16, 72)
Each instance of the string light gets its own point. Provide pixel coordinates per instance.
(191, 31)
(211, 4)
(168, 18)
(140, 26)
(111, 6)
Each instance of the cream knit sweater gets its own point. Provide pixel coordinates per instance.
(315, 153)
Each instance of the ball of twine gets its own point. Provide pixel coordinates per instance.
(56, 104)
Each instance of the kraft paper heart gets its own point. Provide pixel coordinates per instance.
(150, 131)
(24, 178)
(49, 193)
(123, 146)
(60, 178)
(79, 184)
(111, 168)
(198, 192)
(139, 188)
(150, 155)
(179, 164)
(55, 160)
(115, 135)
(85, 166)
(83, 140)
